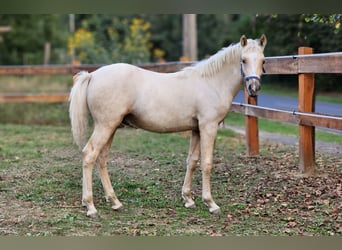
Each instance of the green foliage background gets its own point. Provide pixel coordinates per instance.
(141, 38)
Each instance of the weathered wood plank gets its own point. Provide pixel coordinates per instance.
(73, 69)
(36, 70)
(320, 63)
(312, 63)
(34, 98)
(316, 63)
(320, 120)
(295, 117)
(269, 113)
(85, 67)
(166, 67)
(281, 65)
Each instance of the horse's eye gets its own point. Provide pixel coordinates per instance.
(243, 61)
(263, 62)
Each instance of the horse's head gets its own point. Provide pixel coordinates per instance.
(252, 60)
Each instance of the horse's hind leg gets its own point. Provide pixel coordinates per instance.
(90, 153)
(105, 179)
(192, 160)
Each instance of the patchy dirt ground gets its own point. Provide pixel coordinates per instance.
(40, 187)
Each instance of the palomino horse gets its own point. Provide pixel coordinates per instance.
(196, 98)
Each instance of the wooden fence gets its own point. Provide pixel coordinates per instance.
(66, 70)
(305, 65)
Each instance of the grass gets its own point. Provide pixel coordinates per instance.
(40, 183)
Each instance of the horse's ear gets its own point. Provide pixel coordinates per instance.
(243, 41)
(263, 40)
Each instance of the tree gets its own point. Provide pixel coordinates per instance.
(111, 39)
(286, 33)
(24, 44)
(334, 20)
(166, 35)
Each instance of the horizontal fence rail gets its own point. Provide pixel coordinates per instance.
(305, 65)
(277, 65)
(295, 117)
(34, 98)
(167, 67)
(280, 65)
(312, 63)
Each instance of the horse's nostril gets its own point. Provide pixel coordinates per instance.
(253, 87)
(250, 89)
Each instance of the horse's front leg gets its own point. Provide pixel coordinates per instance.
(208, 135)
(192, 160)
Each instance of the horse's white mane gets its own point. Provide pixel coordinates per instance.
(209, 67)
(213, 64)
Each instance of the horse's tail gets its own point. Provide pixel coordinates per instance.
(78, 109)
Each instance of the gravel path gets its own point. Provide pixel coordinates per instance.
(326, 147)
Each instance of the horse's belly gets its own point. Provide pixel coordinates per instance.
(160, 125)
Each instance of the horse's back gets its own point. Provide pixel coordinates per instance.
(154, 101)
(117, 71)
(114, 78)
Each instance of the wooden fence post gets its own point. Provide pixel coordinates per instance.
(306, 103)
(252, 130)
(190, 37)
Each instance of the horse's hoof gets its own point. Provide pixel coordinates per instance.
(92, 215)
(190, 205)
(216, 211)
(117, 207)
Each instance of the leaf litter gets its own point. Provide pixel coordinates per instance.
(262, 195)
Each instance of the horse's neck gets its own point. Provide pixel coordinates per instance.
(224, 67)
(229, 77)
(222, 70)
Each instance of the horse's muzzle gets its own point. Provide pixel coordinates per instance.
(253, 85)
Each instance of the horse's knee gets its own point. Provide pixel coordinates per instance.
(206, 168)
(192, 161)
(192, 164)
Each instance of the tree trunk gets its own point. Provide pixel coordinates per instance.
(47, 52)
(190, 37)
